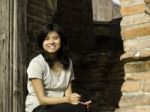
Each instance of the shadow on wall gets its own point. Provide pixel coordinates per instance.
(99, 73)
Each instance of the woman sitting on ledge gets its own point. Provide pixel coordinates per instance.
(50, 75)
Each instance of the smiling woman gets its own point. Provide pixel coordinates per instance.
(51, 44)
(50, 75)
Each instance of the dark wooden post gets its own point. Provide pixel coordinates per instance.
(12, 55)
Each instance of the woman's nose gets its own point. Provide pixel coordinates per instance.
(51, 40)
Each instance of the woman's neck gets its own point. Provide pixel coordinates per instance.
(53, 56)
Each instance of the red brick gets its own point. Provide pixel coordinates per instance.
(137, 76)
(139, 100)
(134, 9)
(147, 1)
(134, 109)
(137, 67)
(131, 86)
(146, 85)
(135, 32)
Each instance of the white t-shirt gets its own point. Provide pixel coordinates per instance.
(54, 85)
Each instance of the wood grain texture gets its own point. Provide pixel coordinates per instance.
(12, 55)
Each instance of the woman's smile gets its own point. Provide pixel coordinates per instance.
(51, 46)
(52, 42)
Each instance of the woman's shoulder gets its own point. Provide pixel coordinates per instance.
(38, 59)
(70, 63)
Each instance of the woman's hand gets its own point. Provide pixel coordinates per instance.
(87, 103)
(75, 98)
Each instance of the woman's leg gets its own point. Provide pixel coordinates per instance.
(65, 107)
(43, 108)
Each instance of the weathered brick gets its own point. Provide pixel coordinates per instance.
(137, 43)
(135, 19)
(137, 54)
(146, 85)
(147, 1)
(139, 100)
(37, 2)
(127, 2)
(131, 86)
(137, 76)
(147, 5)
(131, 33)
(134, 9)
(136, 67)
(36, 11)
(134, 109)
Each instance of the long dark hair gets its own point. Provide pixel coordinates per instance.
(62, 53)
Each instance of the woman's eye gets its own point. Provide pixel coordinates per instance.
(46, 38)
(56, 38)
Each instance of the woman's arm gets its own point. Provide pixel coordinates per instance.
(44, 100)
(74, 97)
(68, 91)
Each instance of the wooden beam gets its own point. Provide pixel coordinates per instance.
(12, 55)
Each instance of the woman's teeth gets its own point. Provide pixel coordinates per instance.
(51, 46)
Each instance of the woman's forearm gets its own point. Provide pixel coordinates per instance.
(44, 100)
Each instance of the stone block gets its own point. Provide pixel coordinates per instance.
(133, 9)
(134, 109)
(139, 100)
(140, 18)
(137, 31)
(137, 76)
(127, 2)
(147, 1)
(131, 86)
(146, 85)
(137, 43)
(136, 67)
(136, 55)
(147, 5)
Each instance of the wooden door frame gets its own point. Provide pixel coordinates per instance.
(12, 54)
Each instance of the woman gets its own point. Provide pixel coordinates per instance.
(50, 75)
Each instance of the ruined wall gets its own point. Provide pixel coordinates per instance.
(100, 72)
(136, 40)
(76, 18)
(38, 14)
(94, 48)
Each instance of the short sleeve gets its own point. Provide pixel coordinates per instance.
(72, 72)
(34, 70)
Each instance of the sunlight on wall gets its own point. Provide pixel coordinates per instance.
(116, 1)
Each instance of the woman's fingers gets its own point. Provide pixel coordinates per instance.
(87, 103)
(75, 98)
(75, 95)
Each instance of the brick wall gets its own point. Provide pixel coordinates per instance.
(136, 38)
(76, 18)
(99, 73)
(95, 49)
(38, 14)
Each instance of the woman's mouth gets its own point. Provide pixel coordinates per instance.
(51, 46)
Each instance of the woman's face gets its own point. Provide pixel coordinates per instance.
(52, 42)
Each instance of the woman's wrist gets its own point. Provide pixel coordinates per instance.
(66, 99)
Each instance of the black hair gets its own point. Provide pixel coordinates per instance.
(62, 53)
